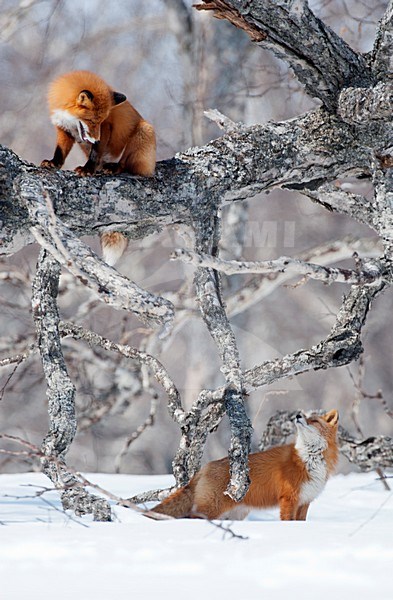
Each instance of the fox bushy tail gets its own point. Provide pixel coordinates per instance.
(179, 504)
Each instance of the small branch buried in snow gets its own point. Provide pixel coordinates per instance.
(79, 480)
(33, 451)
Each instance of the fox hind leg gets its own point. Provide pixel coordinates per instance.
(139, 156)
(287, 508)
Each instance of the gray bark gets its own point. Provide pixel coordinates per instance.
(61, 394)
(382, 54)
(320, 58)
(360, 105)
(302, 153)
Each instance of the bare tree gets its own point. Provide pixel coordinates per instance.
(348, 135)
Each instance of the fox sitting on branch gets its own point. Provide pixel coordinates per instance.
(289, 476)
(111, 133)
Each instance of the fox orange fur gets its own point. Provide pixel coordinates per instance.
(111, 133)
(289, 476)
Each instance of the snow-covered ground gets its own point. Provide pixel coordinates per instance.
(344, 550)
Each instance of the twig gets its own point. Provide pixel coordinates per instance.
(35, 452)
(158, 370)
(148, 422)
(259, 287)
(10, 376)
(361, 394)
(18, 358)
(374, 514)
(227, 530)
(222, 121)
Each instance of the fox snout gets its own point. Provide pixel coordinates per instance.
(300, 419)
(89, 133)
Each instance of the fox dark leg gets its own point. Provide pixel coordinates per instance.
(111, 169)
(301, 513)
(64, 143)
(91, 166)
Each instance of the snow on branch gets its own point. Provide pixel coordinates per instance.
(369, 275)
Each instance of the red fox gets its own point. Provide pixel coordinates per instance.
(112, 134)
(289, 476)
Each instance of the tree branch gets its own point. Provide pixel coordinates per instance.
(60, 392)
(381, 58)
(108, 285)
(325, 66)
(362, 105)
(371, 274)
(213, 313)
(341, 346)
(313, 148)
(159, 372)
(261, 286)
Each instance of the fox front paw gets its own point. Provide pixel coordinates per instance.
(84, 171)
(49, 164)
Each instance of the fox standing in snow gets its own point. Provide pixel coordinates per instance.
(112, 134)
(289, 476)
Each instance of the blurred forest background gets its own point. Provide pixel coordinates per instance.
(173, 63)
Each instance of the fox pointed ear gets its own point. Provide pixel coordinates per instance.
(118, 98)
(331, 417)
(85, 99)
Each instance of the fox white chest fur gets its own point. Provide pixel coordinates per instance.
(66, 121)
(75, 127)
(311, 453)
